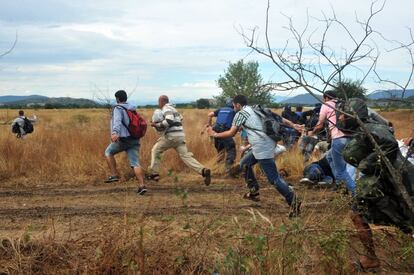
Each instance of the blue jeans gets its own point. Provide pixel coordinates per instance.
(269, 168)
(338, 164)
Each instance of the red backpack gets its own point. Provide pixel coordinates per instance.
(137, 125)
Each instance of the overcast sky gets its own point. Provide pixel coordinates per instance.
(176, 47)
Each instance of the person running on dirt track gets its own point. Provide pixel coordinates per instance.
(22, 125)
(121, 140)
(263, 151)
(226, 147)
(338, 143)
(173, 137)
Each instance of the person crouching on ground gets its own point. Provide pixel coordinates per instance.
(122, 141)
(22, 125)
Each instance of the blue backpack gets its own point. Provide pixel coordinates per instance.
(224, 119)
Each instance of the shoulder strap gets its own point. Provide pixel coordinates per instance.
(122, 107)
(258, 131)
(122, 121)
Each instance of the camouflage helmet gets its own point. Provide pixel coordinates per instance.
(357, 106)
(229, 102)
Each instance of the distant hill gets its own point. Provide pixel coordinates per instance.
(303, 99)
(385, 94)
(43, 101)
(14, 98)
(279, 98)
(307, 99)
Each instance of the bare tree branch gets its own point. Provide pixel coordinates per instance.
(301, 72)
(11, 48)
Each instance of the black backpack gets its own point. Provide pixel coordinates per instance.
(271, 122)
(28, 126)
(16, 128)
(353, 106)
(313, 120)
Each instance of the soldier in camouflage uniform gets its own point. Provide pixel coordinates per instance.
(377, 200)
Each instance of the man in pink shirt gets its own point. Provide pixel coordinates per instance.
(338, 141)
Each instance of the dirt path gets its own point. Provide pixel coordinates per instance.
(84, 213)
(87, 207)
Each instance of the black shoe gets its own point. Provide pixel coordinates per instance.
(335, 188)
(154, 177)
(112, 179)
(142, 190)
(252, 196)
(295, 208)
(207, 176)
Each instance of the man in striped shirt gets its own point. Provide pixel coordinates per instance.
(263, 148)
(173, 137)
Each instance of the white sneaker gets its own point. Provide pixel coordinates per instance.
(306, 181)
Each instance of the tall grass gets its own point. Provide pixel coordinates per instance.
(68, 146)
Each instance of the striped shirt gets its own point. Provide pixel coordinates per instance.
(172, 121)
(263, 146)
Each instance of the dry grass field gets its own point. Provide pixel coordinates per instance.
(58, 217)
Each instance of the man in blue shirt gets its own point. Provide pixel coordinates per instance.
(226, 147)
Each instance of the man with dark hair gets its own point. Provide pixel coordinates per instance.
(263, 148)
(21, 126)
(338, 143)
(122, 141)
(173, 137)
(121, 96)
(299, 111)
(226, 147)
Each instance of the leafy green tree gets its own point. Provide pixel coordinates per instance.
(203, 103)
(244, 79)
(349, 88)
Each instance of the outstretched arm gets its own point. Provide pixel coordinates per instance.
(289, 123)
(319, 126)
(229, 133)
(210, 118)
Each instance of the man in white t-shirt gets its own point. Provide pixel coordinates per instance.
(263, 148)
